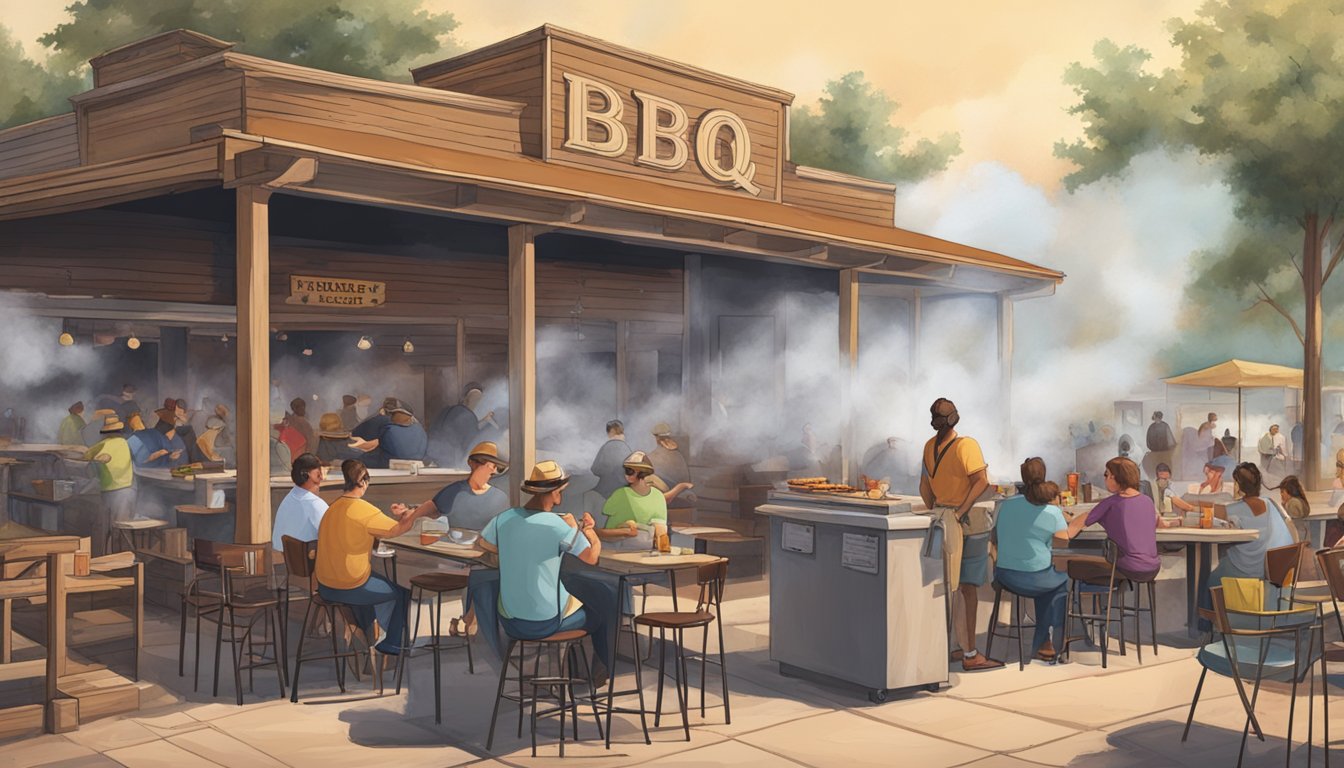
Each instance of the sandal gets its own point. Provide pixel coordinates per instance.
(453, 631)
(460, 627)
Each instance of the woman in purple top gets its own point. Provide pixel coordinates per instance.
(1130, 520)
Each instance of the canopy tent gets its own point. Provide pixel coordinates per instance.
(1243, 374)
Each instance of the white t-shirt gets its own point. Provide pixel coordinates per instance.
(299, 515)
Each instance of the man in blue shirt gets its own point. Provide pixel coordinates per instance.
(402, 437)
(300, 512)
(531, 541)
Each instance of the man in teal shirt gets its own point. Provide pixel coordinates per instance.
(531, 541)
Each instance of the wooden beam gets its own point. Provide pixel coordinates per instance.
(270, 170)
(849, 362)
(460, 368)
(57, 634)
(622, 369)
(916, 319)
(522, 356)
(253, 507)
(1006, 367)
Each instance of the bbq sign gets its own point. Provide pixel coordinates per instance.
(335, 292)
(664, 133)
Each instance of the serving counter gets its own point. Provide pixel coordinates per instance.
(853, 599)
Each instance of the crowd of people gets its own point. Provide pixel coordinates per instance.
(1019, 541)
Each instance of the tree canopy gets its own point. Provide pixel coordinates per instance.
(369, 38)
(852, 132)
(28, 91)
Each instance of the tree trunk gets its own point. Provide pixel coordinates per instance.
(1312, 277)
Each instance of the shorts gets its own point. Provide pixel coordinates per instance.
(975, 559)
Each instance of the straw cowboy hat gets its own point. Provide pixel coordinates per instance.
(488, 451)
(547, 476)
(638, 461)
(329, 426)
(112, 424)
(662, 429)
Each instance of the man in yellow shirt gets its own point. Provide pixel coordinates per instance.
(953, 477)
(343, 569)
(116, 479)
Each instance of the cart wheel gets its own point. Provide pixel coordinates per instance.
(877, 695)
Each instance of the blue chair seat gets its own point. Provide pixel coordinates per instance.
(1278, 664)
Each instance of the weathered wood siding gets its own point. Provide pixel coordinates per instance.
(851, 200)
(159, 116)
(515, 75)
(44, 145)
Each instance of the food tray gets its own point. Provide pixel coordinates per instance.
(851, 502)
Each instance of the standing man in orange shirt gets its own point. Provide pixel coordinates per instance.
(953, 478)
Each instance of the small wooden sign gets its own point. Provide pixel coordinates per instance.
(335, 292)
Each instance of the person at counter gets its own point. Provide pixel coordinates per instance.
(343, 569)
(955, 475)
(71, 430)
(531, 541)
(297, 419)
(152, 448)
(369, 428)
(607, 464)
(92, 431)
(634, 513)
(402, 437)
(186, 434)
(1246, 560)
(281, 460)
(1026, 527)
(333, 440)
(457, 428)
(207, 443)
(671, 468)
(349, 413)
(116, 477)
(169, 418)
(127, 404)
(300, 512)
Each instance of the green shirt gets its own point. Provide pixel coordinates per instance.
(117, 473)
(71, 431)
(625, 505)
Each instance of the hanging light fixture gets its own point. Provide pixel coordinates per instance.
(133, 342)
(65, 339)
(307, 351)
(408, 347)
(364, 343)
(224, 338)
(282, 336)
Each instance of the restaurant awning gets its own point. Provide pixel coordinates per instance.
(1243, 374)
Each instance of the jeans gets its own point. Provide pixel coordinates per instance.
(1049, 589)
(375, 598)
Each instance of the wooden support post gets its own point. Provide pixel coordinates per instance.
(172, 362)
(522, 356)
(253, 365)
(6, 631)
(916, 320)
(622, 369)
(56, 636)
(849, 363)
(1006, 369)
(460, 350)
(695, 389)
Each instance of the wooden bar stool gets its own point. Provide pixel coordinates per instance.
(135, 534)
(440, 584)
(1097, 579)
(709, 603)
(247, 595)
(299, 559)
(564, 648)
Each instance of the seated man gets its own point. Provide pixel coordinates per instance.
(531, 541)
(344, 573)
(300, 512)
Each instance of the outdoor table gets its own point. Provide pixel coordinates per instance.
(1198, 556)
(21, 544)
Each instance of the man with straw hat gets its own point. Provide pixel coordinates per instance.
(531, 542)
(116, 476)
(470, 503)
(333, 440)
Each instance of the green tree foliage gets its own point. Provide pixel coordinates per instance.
(851, 132)
(1260, 87)
(27, 90)
(370, 38)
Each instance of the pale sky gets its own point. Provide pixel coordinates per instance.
(987, 69)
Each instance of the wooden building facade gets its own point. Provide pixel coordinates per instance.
(550, 179)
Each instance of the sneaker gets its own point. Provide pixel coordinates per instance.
(979, 663)
(599, 674)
